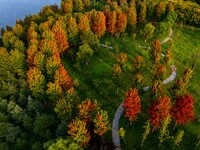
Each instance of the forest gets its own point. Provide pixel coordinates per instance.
(102, 75)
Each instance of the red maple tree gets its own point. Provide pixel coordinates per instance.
(159, 109)
(182, 111)
(132, 106)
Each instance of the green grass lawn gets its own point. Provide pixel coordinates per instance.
(96, 82)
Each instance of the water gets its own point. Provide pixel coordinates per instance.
(11, 10)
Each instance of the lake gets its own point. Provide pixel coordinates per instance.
(11, 10)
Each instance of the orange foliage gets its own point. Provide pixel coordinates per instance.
(132, 106)
(60, 37)
(85, 108)
(61, 76)
(111, 21)
(121, 22)
(99, 23)
(159, 110)
(31, 52)
(83, 23)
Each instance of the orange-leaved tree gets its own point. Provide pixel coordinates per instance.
(183, 110)
(111, 18)
(60, 37)
(121, 22)
(159, 109)
(132, 106)
(99, 23)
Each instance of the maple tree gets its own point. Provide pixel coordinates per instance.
(99, 23)
(36, 81)
(67, 7)
(121, 22)
(40, 61)
(138, 63)
(122, 60)
(155, 51)
(132, 105)
(159, 109)
(183, 110)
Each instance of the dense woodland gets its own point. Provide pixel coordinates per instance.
(60, 89)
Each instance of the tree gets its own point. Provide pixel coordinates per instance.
(148, 31)
(121, 22)
(138, 63)
(79, 132)
(62, 78)
(18, 61)
(132, 106)
(48, 48)
(116, 70)
(62, 144)
(31, 52)
(159, 109)
(101, 122)
(78, 5)
(52, 64)
(83, 23)
(72, 30)
(85, 53)
(85, 109)
(132, 16)
(18, 30)
(122, 60)
(86, 3)
(40, 61)
(60, 37)
(182, 111)
(54, 91)
(142, 12)
(99, 23)
(160, 10)
(67, 7)
(111, 21)
(155, 51)
(36, 81)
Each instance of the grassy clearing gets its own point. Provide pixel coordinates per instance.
(96, 82)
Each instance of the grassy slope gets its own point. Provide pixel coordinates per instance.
(100, 68)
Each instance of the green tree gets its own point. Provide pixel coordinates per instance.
(85, 53)
(147, 32)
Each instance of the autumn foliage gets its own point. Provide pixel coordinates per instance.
(99, 23)
(111, 21)
(132, 106)
(183, 109)
(121, 22)
(159, 109)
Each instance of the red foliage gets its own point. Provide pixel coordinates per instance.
(182, 111)
(159, 109)
(132, 106)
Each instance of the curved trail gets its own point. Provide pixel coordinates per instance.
(119, 112)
